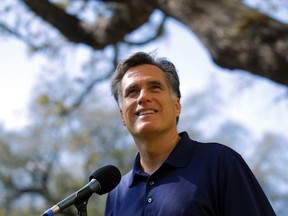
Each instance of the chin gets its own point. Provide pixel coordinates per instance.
(146, 129)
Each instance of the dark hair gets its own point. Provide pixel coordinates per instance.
(141, 58)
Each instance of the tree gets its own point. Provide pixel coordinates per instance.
(237, 36)
(36, 163)
(55, 155)
(57, 27)
(266, 156)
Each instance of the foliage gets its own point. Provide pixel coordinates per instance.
(77, 129)
(115, 25)
(267, 156)
(54, 156)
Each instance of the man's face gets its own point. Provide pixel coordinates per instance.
(147, 105)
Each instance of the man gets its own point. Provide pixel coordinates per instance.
(172, 174)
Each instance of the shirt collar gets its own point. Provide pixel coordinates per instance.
(179, 157)
(137, 172)
(181, 154)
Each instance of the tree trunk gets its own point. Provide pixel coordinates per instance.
(237, 36)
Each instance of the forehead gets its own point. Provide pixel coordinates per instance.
(142, 74)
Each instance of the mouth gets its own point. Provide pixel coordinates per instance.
(145, 112)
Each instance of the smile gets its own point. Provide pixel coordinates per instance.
(146, 112)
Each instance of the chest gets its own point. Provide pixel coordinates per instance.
(170, 193)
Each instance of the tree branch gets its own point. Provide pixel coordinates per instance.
(105, 31)
(236, 36)
(242, 39)
(158, 33)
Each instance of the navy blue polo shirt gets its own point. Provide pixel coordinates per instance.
(197, 179)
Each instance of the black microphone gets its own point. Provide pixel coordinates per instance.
(101, 181)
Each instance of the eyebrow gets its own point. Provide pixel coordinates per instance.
(135, 86)
(132, 86)
(155, 82)
(152, 82)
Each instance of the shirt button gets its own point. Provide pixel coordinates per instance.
(149, 200)
(151, 183)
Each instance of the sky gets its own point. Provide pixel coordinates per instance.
(253, 107)
(18, 74)
(249, 100)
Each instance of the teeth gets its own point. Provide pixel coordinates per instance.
(146, 112)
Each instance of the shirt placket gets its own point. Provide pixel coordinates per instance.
(149, 208)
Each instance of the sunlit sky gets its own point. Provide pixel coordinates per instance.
(254, 106)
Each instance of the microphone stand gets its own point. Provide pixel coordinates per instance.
(81, 201)
(82, 207)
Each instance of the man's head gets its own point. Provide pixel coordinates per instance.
(141, 58)
(137, 60)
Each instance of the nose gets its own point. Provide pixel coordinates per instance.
(144, 96)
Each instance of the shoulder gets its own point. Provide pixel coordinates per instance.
(124, 183)
(208, 151)
(214, 148)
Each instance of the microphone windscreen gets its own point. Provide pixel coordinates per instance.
(108, 177)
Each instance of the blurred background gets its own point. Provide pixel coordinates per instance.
(59, 122)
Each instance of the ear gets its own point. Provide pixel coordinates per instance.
(177, 106)
(122, 118)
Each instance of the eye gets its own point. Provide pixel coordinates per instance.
(130, 92)
(156, 87)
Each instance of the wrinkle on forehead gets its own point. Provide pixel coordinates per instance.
(137, 77)
(143, 68)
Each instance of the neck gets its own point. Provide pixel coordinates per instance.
(153, 152)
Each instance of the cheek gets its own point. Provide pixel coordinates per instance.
(127, 108)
